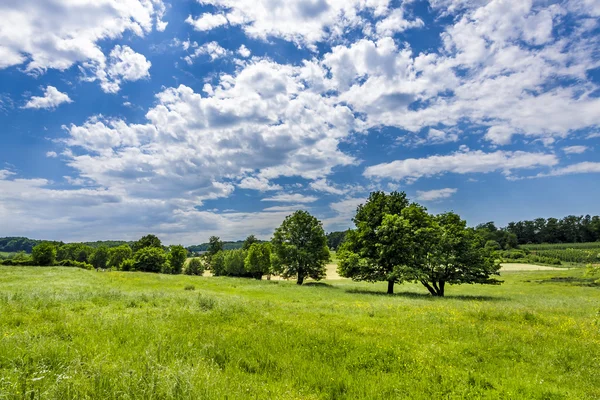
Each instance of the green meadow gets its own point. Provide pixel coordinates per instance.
(68, 333)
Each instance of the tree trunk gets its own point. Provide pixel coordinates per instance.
(431, 289)
(300, 279)
(390, 287)
(441, 292)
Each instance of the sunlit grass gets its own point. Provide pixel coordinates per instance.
(70, 333)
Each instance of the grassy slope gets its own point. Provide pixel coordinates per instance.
(70, 333)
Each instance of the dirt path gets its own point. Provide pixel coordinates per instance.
(507, 267)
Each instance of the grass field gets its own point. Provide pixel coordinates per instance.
(67, 333)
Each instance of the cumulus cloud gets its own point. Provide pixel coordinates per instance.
(124, 64)
(244, 51)
(51, 154)
(304, 22)
(460, 163)
(257, 183)
(211, 49)
(322, 185)
(587, 167)
(51, 99)
(433, 195)
(61, 33)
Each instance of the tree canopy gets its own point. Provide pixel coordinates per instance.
(147, 241)
(301, 247)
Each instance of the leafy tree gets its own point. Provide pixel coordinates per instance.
(360, 256)
(127, 265)
(436, 250)
(44, 254)
(250, 240)
(177, 257)
(234, 263)
(335, 239)
(214, 245)
(146, 241)
(150, 259)
(117, 255)
(194, 267)
(258, 260)
(301, 246)
(217, 264)
(99, 258)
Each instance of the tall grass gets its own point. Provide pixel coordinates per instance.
(71, 334)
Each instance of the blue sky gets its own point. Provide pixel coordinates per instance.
(192, 118)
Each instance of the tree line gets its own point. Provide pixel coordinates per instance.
(394, 241)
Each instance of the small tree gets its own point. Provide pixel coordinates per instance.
(194, 267)
(147, 241)
(258, 260)
(301, 246)
(250, 240)
(234, 263)
(217, 264)
(117, 255)
(99, 258)
(177, 257)
(44, 254)
(150, 259)
(214, 245)
(360, 255)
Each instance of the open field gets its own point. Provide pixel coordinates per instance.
(527, 267)
(67, 333)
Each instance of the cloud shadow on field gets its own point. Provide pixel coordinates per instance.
(427, 296)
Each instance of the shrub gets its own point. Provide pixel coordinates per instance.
(194, 267)
(177, 257)
(234, 263)
(117, 255)
(127, 265)
(217, 263)
(44, 254)
(77, 264)
(99, 257)
(150, 259)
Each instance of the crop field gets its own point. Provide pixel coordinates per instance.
(69, 333)
(579, 253)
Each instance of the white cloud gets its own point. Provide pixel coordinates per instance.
(396, 22)
(207, 21)
(304, 22)
(257, 183)
(433, 195)
(291, 208)
(438, 136)
(291, 198)
(52, 98)
(244, 51)
(61, 33)
(211, 49)
(460, 163)
(51, 154)
(124, 65)
(586, 167)
(575, 149)
(322, 185)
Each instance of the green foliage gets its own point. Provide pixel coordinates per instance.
(44, 254)
(301, 246)
(233, 261)
(335, 239)
(360, 257)
(77, 264)
(99, 258)
(194, 267)
(15, 244)
(75, 252)
(127, 265)
(258, 260)
(150, 259)
(214, 245)
(145, 242)
(250, 240)
(217, 264)
(117, 255)
(177, 257)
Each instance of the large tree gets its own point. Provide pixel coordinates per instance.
(44, 254)
(117, 255)
(360, 256)
(99, 258)
(147, 241)
(150, 259)
(301, 247)
(250, 240)
(436, 250)
(177, 257)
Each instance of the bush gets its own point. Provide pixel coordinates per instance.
(194, 267)
(44, 254)
(18, 263)
(234, 263)
(117, 255)
(127, 265)
(217, 263)
(77, 264)
(150, 259)
(177, 257)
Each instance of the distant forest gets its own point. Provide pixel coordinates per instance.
(570, 229)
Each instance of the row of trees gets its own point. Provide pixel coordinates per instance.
(570, 229)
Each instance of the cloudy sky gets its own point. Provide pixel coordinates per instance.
(197, 117)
